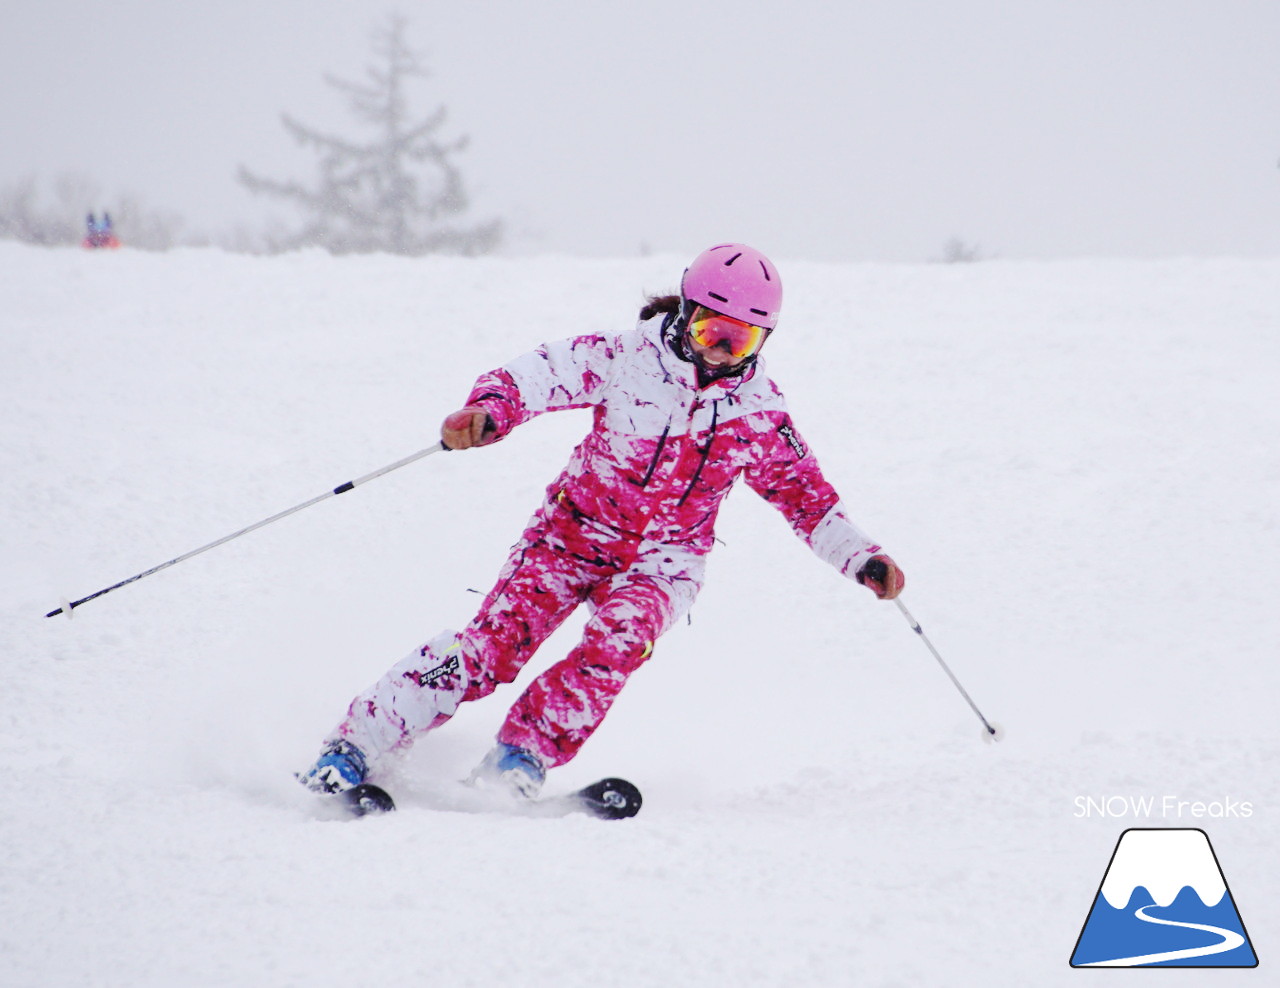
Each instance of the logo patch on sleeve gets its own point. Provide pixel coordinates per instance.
(793, 440)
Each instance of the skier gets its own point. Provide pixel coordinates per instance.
(682, 408)
(99, 235)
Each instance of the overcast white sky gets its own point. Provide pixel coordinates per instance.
(864, 130)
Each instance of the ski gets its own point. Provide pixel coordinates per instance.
(365, 799)
(608, 799)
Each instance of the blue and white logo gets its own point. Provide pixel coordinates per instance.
(1164, 902)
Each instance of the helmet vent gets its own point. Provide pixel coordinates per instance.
(725, 279)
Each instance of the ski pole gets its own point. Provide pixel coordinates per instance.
(991, 732)
(67, 606)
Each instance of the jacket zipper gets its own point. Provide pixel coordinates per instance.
(657, 455)
(705, 451)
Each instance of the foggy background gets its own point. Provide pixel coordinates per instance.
(867, 131)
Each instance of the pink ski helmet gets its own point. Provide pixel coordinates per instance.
(735, 280)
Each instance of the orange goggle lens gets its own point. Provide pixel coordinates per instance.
(709, 328)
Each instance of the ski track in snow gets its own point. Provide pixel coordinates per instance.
(1074, 462)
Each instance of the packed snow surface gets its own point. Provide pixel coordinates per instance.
(1076, 464)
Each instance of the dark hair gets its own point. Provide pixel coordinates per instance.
(655, 304)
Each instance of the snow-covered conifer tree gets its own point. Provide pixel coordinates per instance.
(398, 190)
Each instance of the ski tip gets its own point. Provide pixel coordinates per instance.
(992, 733)
(611, 799)
(366, 800)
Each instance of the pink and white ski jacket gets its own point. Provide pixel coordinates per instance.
(663, 452)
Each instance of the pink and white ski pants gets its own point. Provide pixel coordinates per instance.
(636, 590)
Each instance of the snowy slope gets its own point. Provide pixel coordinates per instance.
(1076, 464)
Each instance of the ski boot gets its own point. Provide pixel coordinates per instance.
(515, 771)
(341, 766)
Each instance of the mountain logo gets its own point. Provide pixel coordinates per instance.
(1164, 902)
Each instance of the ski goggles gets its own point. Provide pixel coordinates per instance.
(710, 329)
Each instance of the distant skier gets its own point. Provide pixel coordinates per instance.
(99, 235)
(682, 408)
